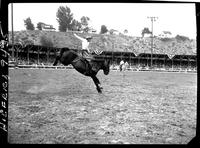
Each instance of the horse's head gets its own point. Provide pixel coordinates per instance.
(106, 67)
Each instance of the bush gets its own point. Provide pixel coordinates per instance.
(45, 41)
(166, 39)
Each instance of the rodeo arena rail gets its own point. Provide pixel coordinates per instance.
(35, 56)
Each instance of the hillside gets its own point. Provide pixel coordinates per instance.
(120, 43)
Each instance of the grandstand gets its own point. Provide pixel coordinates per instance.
(169, 54)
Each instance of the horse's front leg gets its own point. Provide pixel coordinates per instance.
(97, 83)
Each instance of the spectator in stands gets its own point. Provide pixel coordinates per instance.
(85, 44)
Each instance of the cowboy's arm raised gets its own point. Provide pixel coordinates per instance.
(82, 39)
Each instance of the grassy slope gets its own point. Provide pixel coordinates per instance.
(111, 42)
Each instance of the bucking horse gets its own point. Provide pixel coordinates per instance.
(88, 68)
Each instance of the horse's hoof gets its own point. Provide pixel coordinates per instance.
(100, 87)
(99, 90)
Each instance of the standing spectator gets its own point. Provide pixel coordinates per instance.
(121, 64)
(126, 65)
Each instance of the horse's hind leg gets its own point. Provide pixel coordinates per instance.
(97, 83)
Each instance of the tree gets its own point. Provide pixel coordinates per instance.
(84, 23)
(28, 23)
(39, 25)
(103, 29)
(145, 31)
(64, 18)
(125, 31)
(76, 25)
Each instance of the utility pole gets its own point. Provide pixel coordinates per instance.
(153, 19)
(12, 31)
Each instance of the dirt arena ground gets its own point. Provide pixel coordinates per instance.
(63, 107)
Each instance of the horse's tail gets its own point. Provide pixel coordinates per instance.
(56, 61)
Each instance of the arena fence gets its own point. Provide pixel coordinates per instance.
(35, 66)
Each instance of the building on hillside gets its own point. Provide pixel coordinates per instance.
(147, 35)
(47, 27)
(113, 31)
(165, 34)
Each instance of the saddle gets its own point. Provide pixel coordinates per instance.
(88, 59)
(88, 65)
(84, 54)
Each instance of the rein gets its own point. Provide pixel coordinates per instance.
(77, 59)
